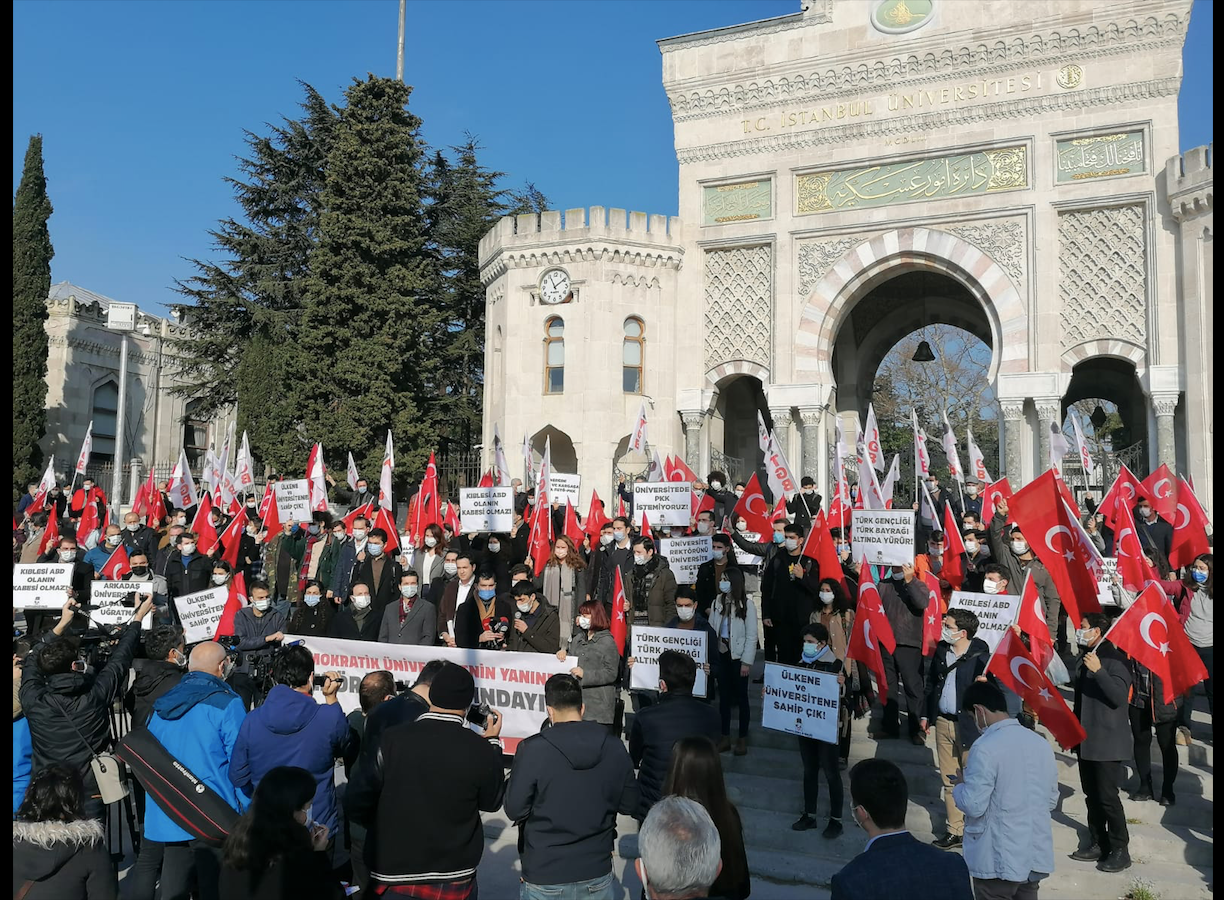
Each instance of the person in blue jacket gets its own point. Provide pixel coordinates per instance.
(23, 749)
(291, 729)
(197, 721)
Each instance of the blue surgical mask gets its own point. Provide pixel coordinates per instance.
(724, 586)
(375, 549)
(1199, 576)
(486, 593)
(314, 529)
(719, 553)
(311, 599)
(618, 536)
(778, 537)
(810, 652)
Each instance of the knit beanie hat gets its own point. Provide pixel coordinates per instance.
(452, 688)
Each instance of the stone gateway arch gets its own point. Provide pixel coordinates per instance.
(845, 178)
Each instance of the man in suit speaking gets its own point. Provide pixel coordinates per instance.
(894, 865)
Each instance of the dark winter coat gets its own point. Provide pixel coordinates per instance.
(905, 605)
(344, 625)
(706, 586)
(787, 600)
(1101, 705)
(302, 873)
(142, 540)
(1149, 692)
(153, 678)
(659, 584)
(384, 590)
(565, 790)
(542, 636)
(469, 627)
(1004, 555)
(656, 728)
(420, 626)
(195, 576)
(63, 859)
(965, 670)
(314, 620)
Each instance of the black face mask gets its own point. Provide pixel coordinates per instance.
(140, 571)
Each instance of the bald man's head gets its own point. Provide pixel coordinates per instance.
(207, 657)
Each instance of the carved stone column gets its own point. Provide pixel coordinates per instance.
(692, 438)
(782, 427)
(1048, 411)
(809, 418)
(1165, 405)
(1013, 419)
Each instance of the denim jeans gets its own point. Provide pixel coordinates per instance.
(602, 888)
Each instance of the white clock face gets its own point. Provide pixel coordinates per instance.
(554, 286)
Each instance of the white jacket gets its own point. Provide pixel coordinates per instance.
(743, 631)
(1010, 788)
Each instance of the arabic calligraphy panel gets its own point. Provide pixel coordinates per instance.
(740, 202)
(1103, 156)
(942, 178)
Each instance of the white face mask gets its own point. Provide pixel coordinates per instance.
(584, 623)
(724, 586)
(133, 526)
(605, 539)
(826, 597)
(112, 540)
(219, 578)
(703, 527)
(67, 555)
(934, 551)
(409, 590)
(792, 544)
(561, 551)
(187, 549)
(990, 587)
(741, 526)
(361, 601)
(181, 520)
(450, 568)
(719, 553)
(716, 485)
(494, 546)
(524, 606)
(739, 492)
(1145, 511)
(312, 599)
(262, 605)
(618, 536)
(971, 490)
(359, 534)
(948, 636)
(1081, 636)
(971, 546)
(431, 541)
(1020, 547)
(686, 613)
(639, 560)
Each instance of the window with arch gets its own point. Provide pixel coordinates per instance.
(195, 435)
(631, 355)
(105, 413)
(554, 355)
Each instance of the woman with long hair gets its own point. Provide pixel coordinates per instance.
(696, 773)
(563, 583)
(314, 614)
(733, 618)
(1198, 612)
(432, 558)
(836, 613)
(275, 852)
(57, 851)
(599, 662)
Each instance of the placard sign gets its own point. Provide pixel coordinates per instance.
(995, 613)
(685, 555)
(648, 643)
(1105, 595)
(41, 585)
(742, 556)
(293, 501)
(200, 613)
(512, 683)
(486, 509)
(663, 502)
(884, 536)
(562, 487)
(801, 701)
(107, 599)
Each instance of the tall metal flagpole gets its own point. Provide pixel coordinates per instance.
(399, 55)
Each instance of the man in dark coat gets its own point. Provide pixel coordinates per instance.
(536, 628)
(357, 620)
(1102, 695)
(187, 570)
(380, 570)
(1153, 530)
(657, 727)
(805, 504)
(905, 598)
(788, 595)
(138, 538)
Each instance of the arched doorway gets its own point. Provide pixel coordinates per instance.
(1122, 438)
(561, 447)
(733, 428)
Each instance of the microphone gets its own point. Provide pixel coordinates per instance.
(517, 614)
(502, 626)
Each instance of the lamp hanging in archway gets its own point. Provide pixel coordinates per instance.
(1098, 418)
(923, 353)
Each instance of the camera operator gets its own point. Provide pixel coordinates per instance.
(68, 708)
(483, 622)
(291, 729)
(448, 773)
(259, 630)
(66, 551)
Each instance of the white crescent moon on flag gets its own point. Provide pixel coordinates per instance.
(1017, 663)
(1182, 508)
(1053, 531)
(1145, 629)
(760, 499)
(867, 633)
(1130, 490)
(1038, 610)
(1123, 533)
(1156, 488)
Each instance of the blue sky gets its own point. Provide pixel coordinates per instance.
(142, 104)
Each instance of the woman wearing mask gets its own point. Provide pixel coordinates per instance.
(733, 618)
(432, 557)
(57, 851)
(598, 666)
(696, 773)
(836, 614)
(313, 615)
(1197, 612)
(276, 852)
(820, 756)
(221, 573)
(563, 583)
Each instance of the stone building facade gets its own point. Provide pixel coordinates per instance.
(848, 174)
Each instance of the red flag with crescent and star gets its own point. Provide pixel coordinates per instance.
(237, 600)
(1125, 490)
(596, 518)
(572, 529)
(1133, 566)
(117, 565)
(1150, 633)
(1016, 669)
(620, 624)
(753, 508)
(1189, 528)
(932, 622)
(871, 632)
(1032, 621)
(820, 546)
(1161, 490)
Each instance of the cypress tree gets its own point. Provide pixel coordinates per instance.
(32, 252)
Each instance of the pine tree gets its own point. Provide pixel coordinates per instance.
(246, 309)
(32, 252)
(365, 357)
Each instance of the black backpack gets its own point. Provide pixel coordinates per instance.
(187, 800)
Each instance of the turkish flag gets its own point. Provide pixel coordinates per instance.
(572, 529)
(1189, 528)
(206, 534)
(596, 518)
(953, 570)
(820, 546)
(704, 503)
(51, 536)
(991, 494)
(840, 515)
(539, 543)
(268, 513)
(1016, 669)
(753, 509)
(155, 505)
(646, 532)
(871, 632)
(89, 522)
(231, 538)
(680, 471)
(138, 503)
(486, 480)
(117, 565)
(620, 504)
(1150, 633)
(668, 469)
(383, 520)
(452, 518)
(1124, 491)
(932, 624)
(236, 601)
(1032, 622)
(361, 512)
(1161, 490)
(1133, 566)
(1060, 542)
(620, 624)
